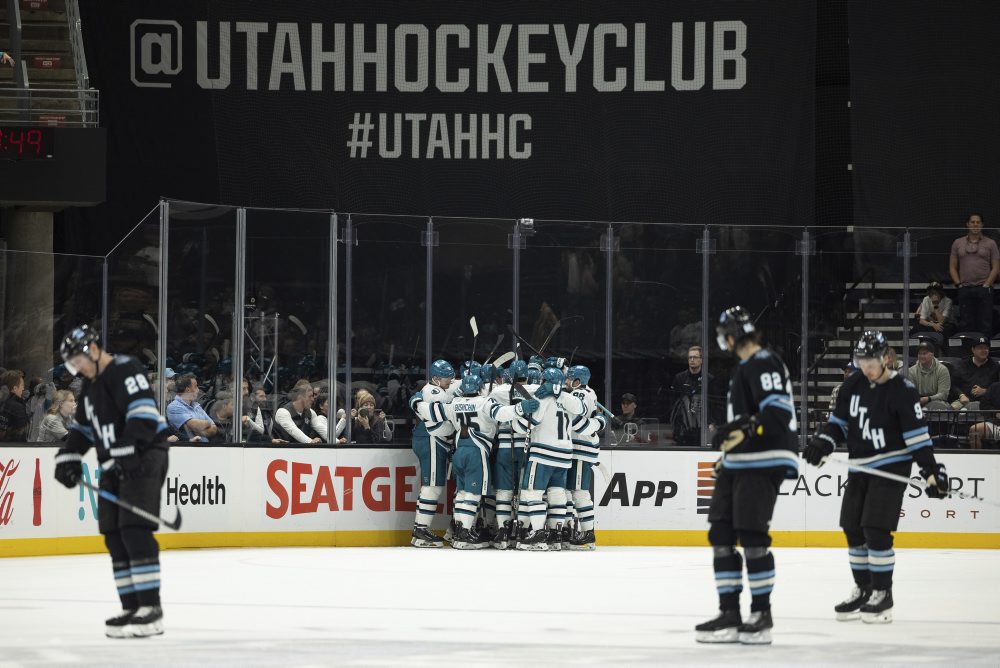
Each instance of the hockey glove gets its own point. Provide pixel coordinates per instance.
(544, 390)
(127, 468)
(731, 434)
(556, 362)
(527, 407)
(556, 389)
(819, 448)
(415, 399)
(69, 469)
(717, 467)
(936, 478)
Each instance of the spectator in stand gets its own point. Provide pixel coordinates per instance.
(974, 266)
(987, 431)
(931, 378)
(935, 314)
(58, 419)
(253, 418)
(295, 422)
(895, 364)
(14, 418)
(369, 425)
(973, 376)
(685, 395)
(628, 419)
(849, 368)
(38, 403)
(186, 415)
(322, 408)
(5, 59)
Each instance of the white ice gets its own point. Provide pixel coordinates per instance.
(395, 606)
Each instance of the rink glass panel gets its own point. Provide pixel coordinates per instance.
(562, 278)
(286, 305)
(473, 276)
(200, 298)
(388, 309)
(44, 296)
(133, 298)
(656, 316)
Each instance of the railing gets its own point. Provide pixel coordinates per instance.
(20, 68)
(48, 106)
(88, 104)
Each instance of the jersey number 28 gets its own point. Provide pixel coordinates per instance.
(135, 383)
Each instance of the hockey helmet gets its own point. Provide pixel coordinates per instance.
(736, 322)
(471, 385)
(534, 376)
(518, 369)
(871, 345)
(77, 342)
(442, 369)
(580, 373)
(553, 375)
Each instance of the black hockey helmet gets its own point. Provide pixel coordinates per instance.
(871, 345)
(736, 322)
(77, 342)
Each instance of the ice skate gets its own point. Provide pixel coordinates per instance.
(583, 540)
(757, 630)
(878, 609)
(114, 627)
(553, 538)
(147, 621)
(422, 537)
(467, 539)
(533, 541)
(724, 628)
(850, 608)
(501, 540)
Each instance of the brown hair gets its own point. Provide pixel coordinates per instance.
(11, 378)
(58, 399)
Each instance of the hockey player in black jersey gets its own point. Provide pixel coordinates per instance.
(117, 415)
(878, 415)
(759, 449)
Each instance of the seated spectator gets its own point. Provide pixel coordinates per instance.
(368, 425)
(252, 416)
(935, 314)
(58, 419)
(988, 430)
(972, 377)
(848, 368)
(186, 415)
(322, 408)
(295, 422)
(222, 415)
(628, 419)
(14, 418)
(38, 403)
(895, 364)
(931, 378)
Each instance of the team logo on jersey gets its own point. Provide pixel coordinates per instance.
(104, 432)
(876, 436)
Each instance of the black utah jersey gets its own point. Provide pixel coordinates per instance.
(761, 386)
(117, 412)
(882, 424)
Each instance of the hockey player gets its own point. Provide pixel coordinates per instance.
(586, 449)
(433, 441)
(510, 455)
(475, 420)
(118, 416)
(759, 449)
(878, 414)
(550, 455)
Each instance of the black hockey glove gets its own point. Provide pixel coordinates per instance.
(819, 448)
(936, 477)
(69, 469)
(731, 434)
(127, 468)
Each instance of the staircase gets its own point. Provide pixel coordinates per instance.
(868, 306)
(57, 88)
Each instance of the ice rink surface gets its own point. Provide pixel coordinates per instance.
(403, 606)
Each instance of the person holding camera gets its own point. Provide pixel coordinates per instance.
(368, 425)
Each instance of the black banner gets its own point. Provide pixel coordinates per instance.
(691, 111)
(925, 106)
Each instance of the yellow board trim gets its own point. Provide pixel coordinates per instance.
(32, 547)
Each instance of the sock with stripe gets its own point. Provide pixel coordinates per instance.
(728, 565)
(760, 575)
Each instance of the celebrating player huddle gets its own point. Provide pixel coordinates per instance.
(521, 443)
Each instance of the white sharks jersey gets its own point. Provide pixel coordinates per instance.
(476, 418)
(431, 411)
(551, 430)
(585, 427)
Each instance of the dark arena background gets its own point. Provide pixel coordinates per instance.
(271, 195)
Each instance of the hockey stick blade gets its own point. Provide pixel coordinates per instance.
(503, 359)
(474, 326)
(916, 482)
(174, 524)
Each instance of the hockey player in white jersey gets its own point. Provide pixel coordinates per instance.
(586, 449)
(550, 455)
(510, 456)
(475, 418)
(433, 442)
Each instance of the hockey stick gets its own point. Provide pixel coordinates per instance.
(903, 479)
(555, 328)
(604, 410)
(494, 349)
(522, 341)
(571, 356)
(475, 336)
(135, 510)
(503, 359)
